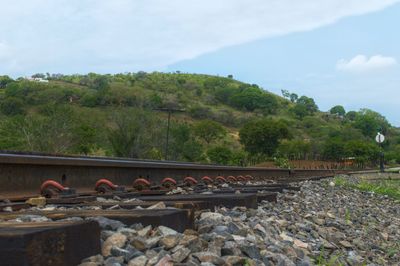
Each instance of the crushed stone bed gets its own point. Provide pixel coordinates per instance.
(322, 224)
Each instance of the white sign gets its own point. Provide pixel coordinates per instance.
(380, 138)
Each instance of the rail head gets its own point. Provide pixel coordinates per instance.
(86, 161)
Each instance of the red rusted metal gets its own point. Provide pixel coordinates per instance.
(249, 177)
(190, 181)
(220, 179)
(104, 185)
(241, 178)
(141, 184)
(168, 182)
(104, 181)
(231, 179)
(207, 180)
(51, 183)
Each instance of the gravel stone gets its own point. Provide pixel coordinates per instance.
(138, 261)
(115, 240)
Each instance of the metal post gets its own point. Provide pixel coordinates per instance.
(170, 111)
(380, 139)
(381, 160)
(166, 144)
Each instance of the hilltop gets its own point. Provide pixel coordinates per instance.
(217, 120)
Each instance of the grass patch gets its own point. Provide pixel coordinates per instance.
(390, 188)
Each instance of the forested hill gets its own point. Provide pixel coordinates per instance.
(219, 120)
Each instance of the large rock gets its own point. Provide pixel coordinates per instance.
(190, 241)
(209, 257)
(170, 241)
(115, 240)
(155, 259)
(129, 232)
(138, 261)
(164, 231)
(114, 261)
(145, 232)
(211, 216)
(230, 248)
(181, 254)
(251, 251)
(139, 243)
(153, 241)
(165, 261)
(234, 260)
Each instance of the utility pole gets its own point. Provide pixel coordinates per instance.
(169, 111)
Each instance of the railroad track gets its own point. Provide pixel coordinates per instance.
(26, 173)
(73, 187)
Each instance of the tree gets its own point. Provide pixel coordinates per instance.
(85, 138)
(180, 136)
(51, 131)
(220, 155)
(309, 103)
(253, 98)
(351, 115)
(39, 75)
(4, 80)
(192, 151)
(263, 136)
(209, 130)
(134, 133)
(333, 149)
(300, 111)
(338, 110)
(304, 106)
(370, 122)
(223, 94)
(100, 83)
(285, 93)
(363, 152)
(294, 149)
(293, 97)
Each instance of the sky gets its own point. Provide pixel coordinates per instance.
(337, 51)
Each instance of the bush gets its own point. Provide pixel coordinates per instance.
(200, 112)
(220, 155)
(12, 106)
(263, 136)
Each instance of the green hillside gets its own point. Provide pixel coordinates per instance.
(217, 120)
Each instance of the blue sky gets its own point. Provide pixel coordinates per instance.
(308, 63)
(336, 51)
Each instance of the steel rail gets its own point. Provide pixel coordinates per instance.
(26, 172)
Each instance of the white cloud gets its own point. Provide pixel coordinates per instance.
(129, 35)
(362, 63)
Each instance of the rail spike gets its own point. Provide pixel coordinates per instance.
(51, 188)
(249, 177)
(104, 185)
(241, 178)
(220, 179)
(231, 179)
(168, 183)
(190, 181)
(207, 180)
(141, 184)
